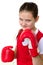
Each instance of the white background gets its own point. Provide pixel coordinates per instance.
(9, 25)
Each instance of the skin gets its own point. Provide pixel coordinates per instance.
(26, 20)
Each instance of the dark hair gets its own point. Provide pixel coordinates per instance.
(30, 6)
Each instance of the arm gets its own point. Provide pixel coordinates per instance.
(38, 60)
(15, 51)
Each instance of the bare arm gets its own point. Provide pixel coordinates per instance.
(15, 52)
(38, 60)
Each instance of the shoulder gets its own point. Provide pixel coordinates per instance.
(39, 35)
(19, 32)
(40, 41)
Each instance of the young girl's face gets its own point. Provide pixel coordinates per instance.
(26, 20)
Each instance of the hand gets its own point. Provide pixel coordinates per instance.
(32, 41)
(7, 54)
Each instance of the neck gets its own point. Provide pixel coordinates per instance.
(33, 29)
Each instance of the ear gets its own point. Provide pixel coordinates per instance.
(37, 18)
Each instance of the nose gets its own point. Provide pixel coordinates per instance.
(23, 23)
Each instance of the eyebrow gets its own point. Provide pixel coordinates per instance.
(25, 19)
(20, 18)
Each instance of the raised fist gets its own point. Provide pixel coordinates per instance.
(31, 41)
(7, 54)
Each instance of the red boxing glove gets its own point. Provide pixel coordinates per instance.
(28, 34)
(7, 54)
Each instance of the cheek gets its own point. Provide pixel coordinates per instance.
(30, 24)
(20, 22)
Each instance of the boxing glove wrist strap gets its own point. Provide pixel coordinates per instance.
(34, 52)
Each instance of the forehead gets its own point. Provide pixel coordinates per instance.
(26, 14)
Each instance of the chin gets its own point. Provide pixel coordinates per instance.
(26, 28)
